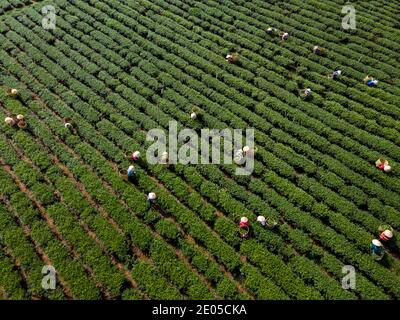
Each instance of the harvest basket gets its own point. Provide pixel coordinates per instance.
(244, 232)
(22, 124)
(271, 223)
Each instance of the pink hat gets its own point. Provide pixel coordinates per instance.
(388, 234)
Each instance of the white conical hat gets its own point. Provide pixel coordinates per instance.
(136, 154)
(8, 120)
(14, 91)
(269, 29)
(244, 219)
(20, 117)
(246, 149)
(377, 243)
(152, 196)
(193, 115)
(261, 219)
(164, 155)
(131, 168)
(228, 56)
(339, 71)
(387, 168)
(388, 234)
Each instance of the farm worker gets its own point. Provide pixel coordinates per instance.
(307, 91)
(367, 78)
(317, 50)
(131, 172)
(246, 149)
(10, 121)
(231, 58)
(386, 235)
(370, 81)
(336, 74)
(164, 157)
(19, 118)
(12, 92)
(151, 198)
(383, 164)
(244, 222)
(376, 247)
(193, 115)
(135, 156)
(285, 36)
(21, 124)
(262, 220)
(270, 31)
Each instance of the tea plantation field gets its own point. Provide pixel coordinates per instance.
(119, 68)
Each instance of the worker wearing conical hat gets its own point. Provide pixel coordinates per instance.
(151, 198)
(261, 220)
(135, 156)
(12, 92)
(9, 121)
(386, 235)
(317, 50)
(164, 157)
(383, 164)
(131, 173)
(336, 74)
(377, 247)
(244, 227)
(244, 222)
